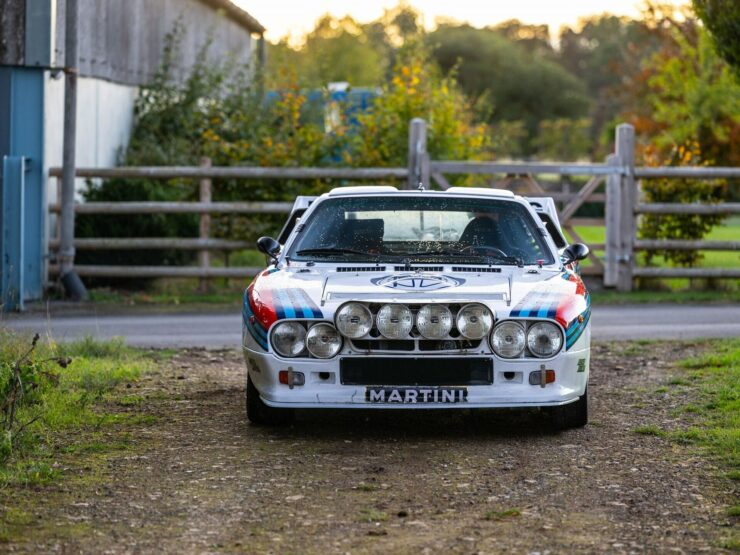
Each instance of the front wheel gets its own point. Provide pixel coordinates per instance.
(260, 413)
(572, 415)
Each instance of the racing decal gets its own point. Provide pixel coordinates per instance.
(576, 328)
(565, 300)
(263, 306)
(253, 325)
(539, 303)
(418, 281)
(294, 303)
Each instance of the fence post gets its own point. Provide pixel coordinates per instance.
(625, 152)
(204, 256)
(419, 169)
(613, 219)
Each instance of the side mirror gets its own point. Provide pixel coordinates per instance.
(269, 246)
(574, 253)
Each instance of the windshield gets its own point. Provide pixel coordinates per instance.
(421, 229)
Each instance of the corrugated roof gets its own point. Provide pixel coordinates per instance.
(237, 14)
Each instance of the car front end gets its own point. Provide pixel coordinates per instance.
(442, 326)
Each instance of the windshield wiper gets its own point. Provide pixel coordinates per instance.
(333, 250)
(491, 260)
(515, 260)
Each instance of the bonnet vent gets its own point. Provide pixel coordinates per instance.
(361, 269)
(414, 268)
(473, 269)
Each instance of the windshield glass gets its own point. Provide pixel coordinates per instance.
(421, 229)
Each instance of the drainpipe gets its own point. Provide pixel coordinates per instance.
(73, 286)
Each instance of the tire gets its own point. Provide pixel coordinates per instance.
(572, 415)
(261, 414)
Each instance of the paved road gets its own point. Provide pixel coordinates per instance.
(223, 329)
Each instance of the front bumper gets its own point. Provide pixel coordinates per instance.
(510, 387)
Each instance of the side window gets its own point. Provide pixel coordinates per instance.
(554, 232)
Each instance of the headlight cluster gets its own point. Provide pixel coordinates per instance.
(290, 339)
(542, 339)
(395, 321)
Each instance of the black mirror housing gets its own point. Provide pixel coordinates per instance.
(269, 246)
(574, 253)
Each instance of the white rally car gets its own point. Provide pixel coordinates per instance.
(380, 298)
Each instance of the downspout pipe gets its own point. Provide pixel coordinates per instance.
(73, 286)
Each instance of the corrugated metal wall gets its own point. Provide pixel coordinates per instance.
(122, 40)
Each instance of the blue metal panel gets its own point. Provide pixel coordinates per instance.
(12, 247)
(22, 135)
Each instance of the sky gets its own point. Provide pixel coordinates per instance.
(295, 17)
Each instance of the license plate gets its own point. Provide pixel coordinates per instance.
(416, 395)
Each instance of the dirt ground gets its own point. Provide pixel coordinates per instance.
(200, 479)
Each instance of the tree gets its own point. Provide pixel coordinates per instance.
(722, 19)
(605, 52)
(515, 84)
(563, 139)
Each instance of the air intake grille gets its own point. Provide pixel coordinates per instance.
(424, 268)
(476, 270)
(361, 269)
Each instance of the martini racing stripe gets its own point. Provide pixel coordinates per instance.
(540, 304)
(576, 328)
(255, 329)
(294, 303)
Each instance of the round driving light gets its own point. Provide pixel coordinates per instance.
(508, 339)
(394, 321)
(434, 321)
(323, 341)
(474, 321)
(354, 320)
(289, 339)
(544, 339)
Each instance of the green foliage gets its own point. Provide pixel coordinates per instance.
(508, 138)
(417, 89)
(563, 139)
(680, 226)
(722, 19)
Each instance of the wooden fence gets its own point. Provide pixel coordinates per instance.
(618, 175)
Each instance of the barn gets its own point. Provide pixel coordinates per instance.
(120, 47)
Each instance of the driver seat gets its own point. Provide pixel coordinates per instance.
(481, 231)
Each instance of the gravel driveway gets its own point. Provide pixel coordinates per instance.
(200, 479)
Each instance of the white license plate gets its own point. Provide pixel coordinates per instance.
(416, 395)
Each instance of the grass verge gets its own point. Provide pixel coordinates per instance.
(58, 399)
(710, 385)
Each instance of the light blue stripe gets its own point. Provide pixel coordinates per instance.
(287, 305)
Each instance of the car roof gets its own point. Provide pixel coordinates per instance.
(389, 189)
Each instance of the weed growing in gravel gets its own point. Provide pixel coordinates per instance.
(373, 515)
(649, 430)
(501, 515)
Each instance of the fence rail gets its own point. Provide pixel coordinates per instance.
(614, 183)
